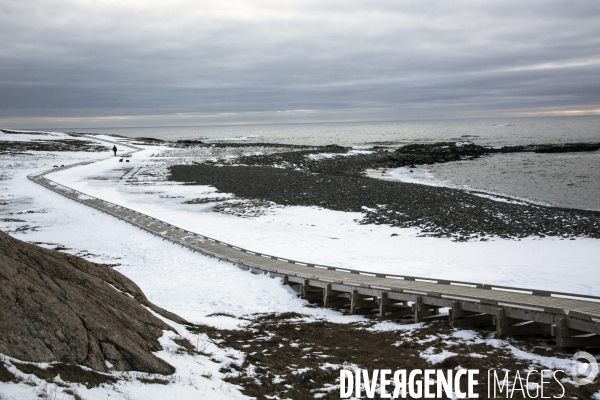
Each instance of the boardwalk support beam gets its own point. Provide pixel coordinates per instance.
(361, 301)
(308, 292)
(506, 326)
(334, 298)
(392, 308)
(462, 318)
(421, 310)
(567, 337)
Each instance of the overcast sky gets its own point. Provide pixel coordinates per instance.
(94, 63)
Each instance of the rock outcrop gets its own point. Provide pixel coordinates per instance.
(58, 307)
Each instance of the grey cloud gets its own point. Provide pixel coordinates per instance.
(105, 58)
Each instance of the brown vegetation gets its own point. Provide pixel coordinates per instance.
(289, 357)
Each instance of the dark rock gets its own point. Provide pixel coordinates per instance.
(568, 148)
(464, 148)
(439, 211)
(190, 142)
(408, 155)
(549, 148)
(51, 145)
(58, 307)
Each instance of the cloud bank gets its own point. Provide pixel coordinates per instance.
(108, 62)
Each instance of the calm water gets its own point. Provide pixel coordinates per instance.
(480, 131)
(567, 180)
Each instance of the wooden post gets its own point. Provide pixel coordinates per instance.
(500, 313)
(382, 304)
(353, 298)
(561, 330)
(452, 311)
(418, 309)
(326, 295)
(303, 288)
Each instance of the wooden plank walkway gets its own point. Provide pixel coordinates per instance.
(571, 318)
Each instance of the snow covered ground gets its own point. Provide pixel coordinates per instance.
(333, 237)
(174, 278)
(196, 287)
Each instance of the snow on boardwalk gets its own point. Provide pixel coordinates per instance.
(563, 315)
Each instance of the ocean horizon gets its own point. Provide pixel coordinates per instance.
(563, 180)
(484, 131)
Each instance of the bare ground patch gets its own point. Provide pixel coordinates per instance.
(68, 373)
(206, 200)
(288, 357)
(245, 208)
(51, 145)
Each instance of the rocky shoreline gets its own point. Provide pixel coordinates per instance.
(405, 156)
(336, 182)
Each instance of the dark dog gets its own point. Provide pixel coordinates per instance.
(121, 160)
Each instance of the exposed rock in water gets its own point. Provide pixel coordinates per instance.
(58, 307)
(557, 148)
(149, 139)
(463, 148)
(408, 155)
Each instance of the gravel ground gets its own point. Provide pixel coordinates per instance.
(354, 164)
(19, 147)
(409, 155)
(440, 212)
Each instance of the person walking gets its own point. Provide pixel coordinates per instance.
(115, 149)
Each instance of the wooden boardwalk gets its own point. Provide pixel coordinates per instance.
(573, 319)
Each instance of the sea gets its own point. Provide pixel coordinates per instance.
(569, 180)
